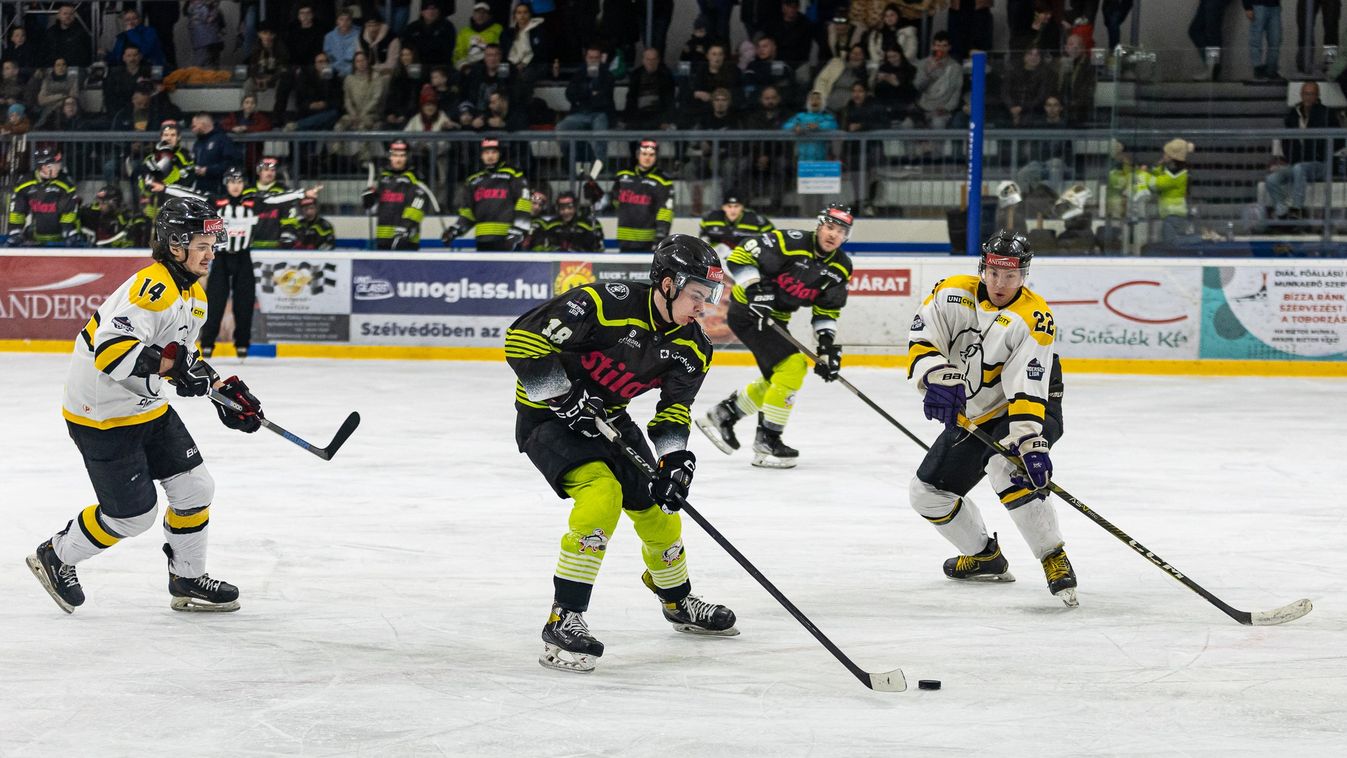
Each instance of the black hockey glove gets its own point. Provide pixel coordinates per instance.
(188, 382)
(579, 410)
(829, 363)
(592, 191)
(514, 239)
(453, 233)
(250, 419)
(669, 488)
(761, 298)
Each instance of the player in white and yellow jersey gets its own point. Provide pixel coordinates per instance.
(983, 346)
(120, 420)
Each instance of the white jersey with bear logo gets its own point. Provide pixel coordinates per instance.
(1006, 353)
(147, 310)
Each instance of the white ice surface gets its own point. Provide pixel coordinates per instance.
(392, 597)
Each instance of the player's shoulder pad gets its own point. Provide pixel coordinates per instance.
(692, 339)
(153, 289)
(512, 171)
(25, 185)
(626, 172)
(965, 282)
(1036, 315)
(654, 174)
(960, 289)
(842, 262)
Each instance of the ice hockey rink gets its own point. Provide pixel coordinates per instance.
(393, 597)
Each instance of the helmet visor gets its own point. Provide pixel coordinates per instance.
(714, 283)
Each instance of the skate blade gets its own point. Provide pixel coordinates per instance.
(703, 632)
(985, 578)
(554, 657)
(35, 566)
(1068, 596)
(762, 460)
(709, 429)
(195, 605)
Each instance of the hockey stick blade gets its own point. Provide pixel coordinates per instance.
(889, 681)
(343, 433)
(1282, 615)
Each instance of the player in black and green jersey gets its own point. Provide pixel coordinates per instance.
(732, 224)
(776, 275)
(585, 355)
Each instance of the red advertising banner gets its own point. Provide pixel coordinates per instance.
(880, 282)
(46, 298)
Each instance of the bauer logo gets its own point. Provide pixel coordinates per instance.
(369, 288)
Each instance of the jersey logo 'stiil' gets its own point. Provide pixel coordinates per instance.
(617, 380)
(796, 288)
(632, 198)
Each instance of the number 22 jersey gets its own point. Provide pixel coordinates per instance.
(1007, 354)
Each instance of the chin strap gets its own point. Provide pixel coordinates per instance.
(668, 304)
(181, 276)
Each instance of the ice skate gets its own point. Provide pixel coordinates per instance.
(57, 578)
(770, 452)
(694, 615)
(567, 643)
(1061, 577)
(987, 566)
(201, 593)
(718, 424)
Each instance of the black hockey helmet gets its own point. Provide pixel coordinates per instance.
(46, 155)
(178, 220)
(1006, 249)
(837, 214)
(685, 259)
(109, 194)
(567, 198)
(233, 173)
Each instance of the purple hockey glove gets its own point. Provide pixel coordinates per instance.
(1033, 452)
(945, 398)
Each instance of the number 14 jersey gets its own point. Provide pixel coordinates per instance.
(148, 309)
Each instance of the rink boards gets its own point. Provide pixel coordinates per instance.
(1162, 316)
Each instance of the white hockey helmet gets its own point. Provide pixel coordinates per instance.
(1008, 194)
(1073, 201)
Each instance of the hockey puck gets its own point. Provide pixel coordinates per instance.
(928, 684)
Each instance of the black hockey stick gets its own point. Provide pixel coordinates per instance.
(1257, 618)
(1281, 615)
(784, 332)
(889, 681)
(345, 431)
